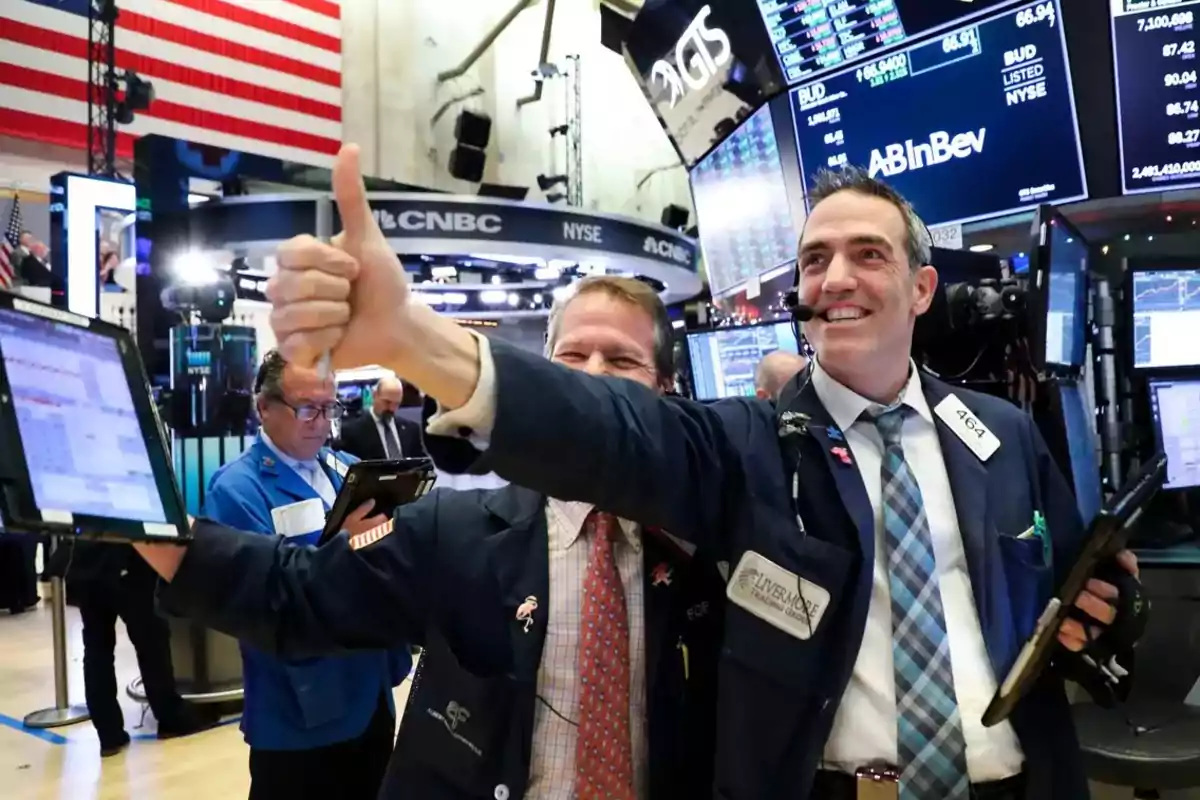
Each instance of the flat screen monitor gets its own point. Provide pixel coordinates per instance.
(1175, 409)
(1158, 94)
(1166, 317)
(742, 209)
(1063, 264)
(818, 35)
(949, 122)
(724, 360)
(1079, 421)
(82, 449)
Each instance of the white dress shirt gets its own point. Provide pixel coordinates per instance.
(552, 762)
(381, 429)
(864, 729)
(311, 471)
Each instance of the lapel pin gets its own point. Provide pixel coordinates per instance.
(842, 453)
(661, 576)
(833, 433)
(525, 612)
(268, 461)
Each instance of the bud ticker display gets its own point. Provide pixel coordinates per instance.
(812, 36)
(1158, 96)
(975, 123)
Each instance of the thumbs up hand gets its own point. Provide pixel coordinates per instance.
(349, 297)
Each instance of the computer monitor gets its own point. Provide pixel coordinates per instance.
(743, 213)
(1059, 285)
(724, 359)
(81, 448)
(1175, 409)
(1165, 304)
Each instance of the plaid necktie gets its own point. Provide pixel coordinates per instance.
(603, 746)
(933, 753)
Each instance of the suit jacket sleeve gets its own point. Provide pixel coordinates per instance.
(665, 462)
(303, 602)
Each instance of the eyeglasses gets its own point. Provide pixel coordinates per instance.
(309, 412)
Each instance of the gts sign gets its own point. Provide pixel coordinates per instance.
(445, 221)
(695, 64)
(913, 155)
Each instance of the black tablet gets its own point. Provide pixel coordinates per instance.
(390, 483)
(81, 447)
(1107, 534)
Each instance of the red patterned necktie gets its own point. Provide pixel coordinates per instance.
(603, 749)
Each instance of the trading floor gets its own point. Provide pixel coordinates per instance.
(65, 764)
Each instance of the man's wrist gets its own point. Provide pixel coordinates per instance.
(435, 354)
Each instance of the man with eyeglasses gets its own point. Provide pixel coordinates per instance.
(322, 727)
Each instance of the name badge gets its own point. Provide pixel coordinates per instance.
(299, 519)
(776, 596)
(337, 466)
(967, 427)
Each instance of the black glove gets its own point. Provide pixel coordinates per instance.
(1105, 662)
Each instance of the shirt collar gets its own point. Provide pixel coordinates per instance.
(845, 405)
(572, 515)
(294, 463)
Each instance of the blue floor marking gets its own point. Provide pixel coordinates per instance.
(41, 733)
(50, 736)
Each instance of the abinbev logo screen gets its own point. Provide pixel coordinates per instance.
(974, 123)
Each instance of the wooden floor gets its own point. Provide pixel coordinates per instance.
(65, 763)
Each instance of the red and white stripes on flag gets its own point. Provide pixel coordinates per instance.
(263, 76)
(9, 244)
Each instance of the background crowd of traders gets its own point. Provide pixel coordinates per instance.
(577, 638)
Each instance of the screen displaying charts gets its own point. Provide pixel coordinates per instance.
(1158, 95)
(811, 36)
(1175, 406)
(79, 429)
(949, 122)
(723, 361)
(742, 208)
(1166, 318)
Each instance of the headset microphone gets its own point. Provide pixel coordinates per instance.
(800, 312)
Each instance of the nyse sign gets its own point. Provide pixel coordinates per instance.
(695, 64)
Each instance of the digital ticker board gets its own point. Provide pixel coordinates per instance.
(812, 36)
(971, 124)
(1158, 95)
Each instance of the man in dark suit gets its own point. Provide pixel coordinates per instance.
(881, 591)
(567, 653)
(378, 433)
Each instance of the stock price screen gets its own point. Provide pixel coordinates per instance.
(972, 124)
(1158, 99)
(742, 208)
(811, 36)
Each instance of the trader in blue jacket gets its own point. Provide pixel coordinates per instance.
(317, 727)
(893, 537)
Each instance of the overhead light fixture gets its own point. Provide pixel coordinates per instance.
(555, 197)
(981, 248)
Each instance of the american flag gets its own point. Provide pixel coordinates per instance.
(9, 244)
(263, 76)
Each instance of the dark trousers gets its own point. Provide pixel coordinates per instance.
(129, 596)
(351, 770)
(838, 786)
(18, 572)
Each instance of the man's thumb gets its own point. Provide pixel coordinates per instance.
(351, 195)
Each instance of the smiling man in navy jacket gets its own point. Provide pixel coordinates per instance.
(916, 540)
